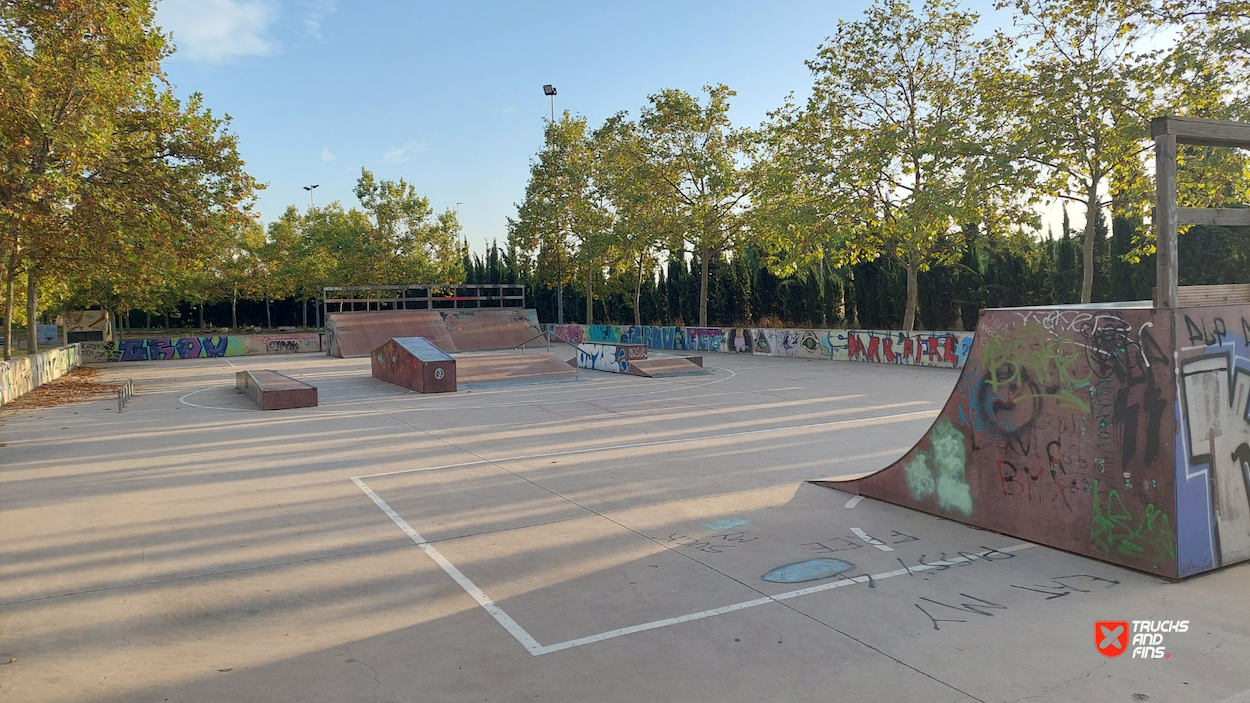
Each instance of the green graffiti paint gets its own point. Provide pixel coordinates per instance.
(1012, 358)
(950, 457)
(920, 476)
(1112, 527)
(941, 469)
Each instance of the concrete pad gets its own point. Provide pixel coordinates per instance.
(193, 549)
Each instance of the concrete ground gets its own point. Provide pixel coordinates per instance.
(603, 540)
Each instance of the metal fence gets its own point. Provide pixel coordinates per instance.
(423, 297)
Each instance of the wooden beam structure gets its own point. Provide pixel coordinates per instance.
(1168, 134)
(1221, 217)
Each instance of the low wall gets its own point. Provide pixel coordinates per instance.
(941, 349)
(164, 348)
(24, 374)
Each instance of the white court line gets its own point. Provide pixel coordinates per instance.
(657, 442)
(853, 502)
(471, 588)
(872, 540)
(534, 648)
(774, 599)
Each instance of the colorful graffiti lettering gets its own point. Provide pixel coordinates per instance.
(167, 348)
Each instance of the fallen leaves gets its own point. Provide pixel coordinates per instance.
(73, 387)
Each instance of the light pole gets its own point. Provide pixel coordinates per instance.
(311, 205)
(550, 91)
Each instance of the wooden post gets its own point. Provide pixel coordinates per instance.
(1165, 221)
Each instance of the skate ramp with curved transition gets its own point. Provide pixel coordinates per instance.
(356, 334)
(1120, 432)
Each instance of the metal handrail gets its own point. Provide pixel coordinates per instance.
(549, 334)
(544, 333)
(124, 393)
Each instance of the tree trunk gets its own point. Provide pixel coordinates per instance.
(703, 268)
(147, 320)
(234, 310)
(268, 316)
(913, 276)
(304, 306)
(1091, 220)
(201, 315)
(167, 320)
(638, 295)
(590, 295)
(8, 309)
(32, 310)
(319, 304)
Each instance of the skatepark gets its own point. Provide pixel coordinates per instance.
(532, 540)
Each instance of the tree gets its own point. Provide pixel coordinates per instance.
(564, 199)
(905, 138)
(102, 169)
(641, 223)
(692, 155)
(412, 244)
(1084, 102)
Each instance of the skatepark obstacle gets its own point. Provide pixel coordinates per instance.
(270, 390)
(414, 363)
(356, 334)
(1116, 431)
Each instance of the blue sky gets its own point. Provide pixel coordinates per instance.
(449, 95)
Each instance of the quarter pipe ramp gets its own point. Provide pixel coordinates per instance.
(1120, 432)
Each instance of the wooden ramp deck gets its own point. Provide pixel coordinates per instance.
(495, 369)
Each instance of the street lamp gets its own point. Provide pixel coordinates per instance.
(310, 194)
(550, 91)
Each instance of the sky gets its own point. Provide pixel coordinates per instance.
(449, 96)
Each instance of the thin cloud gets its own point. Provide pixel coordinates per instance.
(326, 155)
(508, 110)
(400, 154)
(215, 31)
(313, 13)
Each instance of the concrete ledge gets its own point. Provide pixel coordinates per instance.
(24, 374)
(270, 390)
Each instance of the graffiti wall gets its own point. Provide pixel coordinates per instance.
(1212, 437)
(614, 358)
(1059, 431)
(26, 373)
(166, 348)
(941, 349)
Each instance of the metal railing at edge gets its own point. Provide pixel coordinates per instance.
(548, 335)
(124, 393)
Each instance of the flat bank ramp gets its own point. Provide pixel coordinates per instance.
(497, 369)
(665, 367)
(356, 334)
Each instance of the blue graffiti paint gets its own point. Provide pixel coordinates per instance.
(726, 523)
(810, 570)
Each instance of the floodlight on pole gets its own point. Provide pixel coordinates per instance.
(310, 194)
(550, 91)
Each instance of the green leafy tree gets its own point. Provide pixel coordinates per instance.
(906, 139)
(102, 169)
(691, 154)
(1084, 100)
(566, 204)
